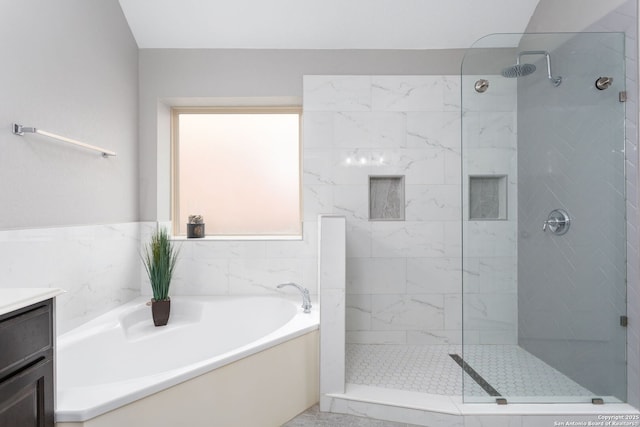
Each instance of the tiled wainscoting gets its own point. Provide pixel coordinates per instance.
(97, 265)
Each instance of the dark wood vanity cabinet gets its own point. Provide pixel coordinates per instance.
(26, 367)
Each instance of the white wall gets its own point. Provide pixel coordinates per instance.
(70, 67)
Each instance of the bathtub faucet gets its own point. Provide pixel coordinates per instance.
(306, 299)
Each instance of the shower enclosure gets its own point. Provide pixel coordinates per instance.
(544, 227)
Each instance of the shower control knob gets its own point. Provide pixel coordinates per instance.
(604, 82)
(557, 222)
(481, 85)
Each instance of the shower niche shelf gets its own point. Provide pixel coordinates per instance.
(487, 197)
(386, 198)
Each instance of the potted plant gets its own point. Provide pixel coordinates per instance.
(160, 259)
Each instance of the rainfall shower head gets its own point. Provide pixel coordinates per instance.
(518, 70)
(521, 70)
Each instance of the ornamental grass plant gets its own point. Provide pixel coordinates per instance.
(159, 260)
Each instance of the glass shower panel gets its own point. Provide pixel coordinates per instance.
(543, 187)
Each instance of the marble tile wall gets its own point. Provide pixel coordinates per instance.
(100, 267)
(403, 277)
(386, 198)
(97, 265)
(243, 267)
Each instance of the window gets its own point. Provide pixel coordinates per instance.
(239, 168)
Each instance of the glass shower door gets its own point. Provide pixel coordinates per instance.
(544, 262)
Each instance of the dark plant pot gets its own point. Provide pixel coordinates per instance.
(195, 231)
(160, 311)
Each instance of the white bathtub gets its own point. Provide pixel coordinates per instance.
(121, 357)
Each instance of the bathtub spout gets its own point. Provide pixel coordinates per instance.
(306, 299)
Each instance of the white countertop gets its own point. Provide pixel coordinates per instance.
(16, 298)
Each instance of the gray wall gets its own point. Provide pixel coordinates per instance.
(69, 67)
(168, 76)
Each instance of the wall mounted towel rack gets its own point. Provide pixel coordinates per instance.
(20, 130)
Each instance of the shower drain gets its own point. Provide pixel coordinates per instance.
(475, 376)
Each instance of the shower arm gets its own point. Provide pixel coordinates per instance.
(556, 80)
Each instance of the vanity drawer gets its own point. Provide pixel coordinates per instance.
(24, 335)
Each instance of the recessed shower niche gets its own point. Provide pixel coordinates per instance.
(488, 197)
(386, 198)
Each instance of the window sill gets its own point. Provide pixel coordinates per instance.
(235, 238)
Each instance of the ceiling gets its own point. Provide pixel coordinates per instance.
(322, 24)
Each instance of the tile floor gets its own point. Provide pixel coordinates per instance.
(313, 417)
(511, 370)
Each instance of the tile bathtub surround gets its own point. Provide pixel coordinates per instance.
(403, 279)
(100, 268)
(244, 267)
(97, 265)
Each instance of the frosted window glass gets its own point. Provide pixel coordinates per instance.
(241, 172)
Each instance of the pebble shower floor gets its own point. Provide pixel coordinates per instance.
(511, 370)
